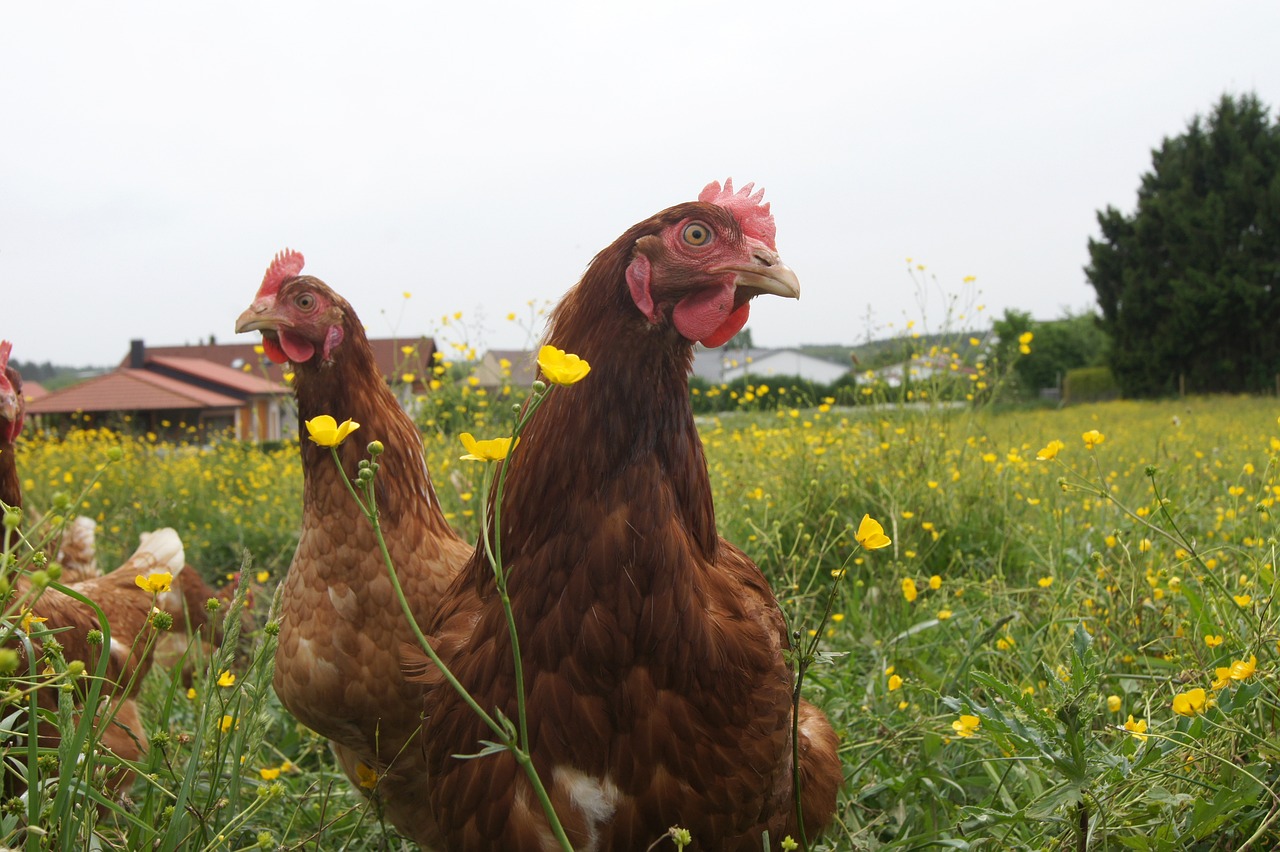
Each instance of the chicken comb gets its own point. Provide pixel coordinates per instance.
(287, 264)
(5, 348)
(751, 211)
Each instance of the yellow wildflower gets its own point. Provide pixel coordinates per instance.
(560, 367)
(327, 432)
(944, 614)
(935, 582)
(1190, 703)
(29, 618)
(966, 725)
(1092, 438)
(909, 590)
(269, 773)
(1242, 670)
(871, 535)
(366, 776)
(1044, 582)
(155, 582)
(494, 449)
(1138, 728)
(1113, 703)
(226, 679)
(895, 682)
(1213, 641)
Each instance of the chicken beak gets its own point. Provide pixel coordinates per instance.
(259, 317)
(767, 275)
(9, 406)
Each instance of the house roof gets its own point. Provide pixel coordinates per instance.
(241, 380)
(129, 389)
(33, 390)
(388, 352)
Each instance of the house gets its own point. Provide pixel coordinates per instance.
(175, 391)
(515, 367)
(725, 365)
(173, 397)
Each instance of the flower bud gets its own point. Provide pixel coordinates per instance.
(115, 454)
(375, 448)
(93, 637)
(8, 660)
(75, 668)
(40, 579)
(55, 572)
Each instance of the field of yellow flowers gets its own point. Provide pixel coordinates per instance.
(1069, 641)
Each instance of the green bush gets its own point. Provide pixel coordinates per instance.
(1089, 384)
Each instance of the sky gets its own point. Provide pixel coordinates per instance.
(154, 156)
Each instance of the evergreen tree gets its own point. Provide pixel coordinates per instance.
(1189, 285)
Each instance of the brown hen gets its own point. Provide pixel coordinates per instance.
(337, 666)
(654, 653)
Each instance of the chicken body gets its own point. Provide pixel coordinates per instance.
(13, 409)
(342, 630)
(127, 609)
(653, 650)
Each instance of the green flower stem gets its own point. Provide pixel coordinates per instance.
(519, 745)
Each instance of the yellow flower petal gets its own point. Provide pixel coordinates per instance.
(871, 535)
(560, 367)
(494, 449)
(155, 583)
(327, 432)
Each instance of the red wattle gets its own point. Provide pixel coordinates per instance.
(728, 328)
(298, 349)
(700, 315)
(273, 350)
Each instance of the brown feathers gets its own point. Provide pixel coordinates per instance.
(653, 651)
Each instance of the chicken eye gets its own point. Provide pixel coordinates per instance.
(305, 301)
(696, 234)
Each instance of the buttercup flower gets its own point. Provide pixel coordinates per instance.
(1050, 450)
(1113, 704)
(1190, 703)
(327, 432)
(909, 590)
(560, 367)
(1242, 670)
(871, 535)
(29, 618)
(226, 679)
(895, 682)
(1092, 438)
(494, 449)
(966, 725)
(1138, 728)
(155, 583)
(366, 776)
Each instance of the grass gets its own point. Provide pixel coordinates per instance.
(980, 669)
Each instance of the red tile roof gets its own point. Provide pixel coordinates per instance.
(387, 351)
(130, 390)
(241, 380)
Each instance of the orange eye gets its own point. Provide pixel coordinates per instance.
(306, 301)
(696, 234)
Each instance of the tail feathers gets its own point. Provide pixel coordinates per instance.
(159, 550)
(77, 552)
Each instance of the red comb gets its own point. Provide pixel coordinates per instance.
(5, 348)
(751, 211)
(287, 264)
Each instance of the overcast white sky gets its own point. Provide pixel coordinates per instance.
(154, 156)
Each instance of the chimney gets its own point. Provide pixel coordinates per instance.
(137, 354)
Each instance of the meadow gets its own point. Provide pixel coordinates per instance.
(1070, 642)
